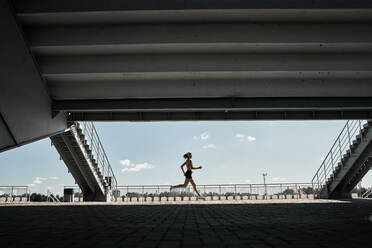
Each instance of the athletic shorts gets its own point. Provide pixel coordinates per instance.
(188, 174)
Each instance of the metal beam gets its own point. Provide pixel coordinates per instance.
(26, 6)
(84, 17)
(208, 104)
(194, 38)
(219, 115)
(182, 48)
(144, 89)
(200, 33)
(214, 66)
(217, 109)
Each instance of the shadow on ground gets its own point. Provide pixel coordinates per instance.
(343, 224)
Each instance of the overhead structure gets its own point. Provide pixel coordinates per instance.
(25, 102)
(203, 60)
(171, 60)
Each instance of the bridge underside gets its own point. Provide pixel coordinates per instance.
(184, 109)
(181, 60)
(203, 60)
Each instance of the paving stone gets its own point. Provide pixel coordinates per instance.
(314, 224)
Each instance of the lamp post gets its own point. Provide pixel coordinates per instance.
(264, 179)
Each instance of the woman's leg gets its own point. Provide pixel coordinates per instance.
(194, 186)
(181, 185)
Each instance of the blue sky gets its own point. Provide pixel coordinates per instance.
(151, 153)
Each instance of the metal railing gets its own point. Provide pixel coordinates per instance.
(14, 193)
(217, 189)
(51, 197)
(98, 151)
(367, 194)
(212, 190)
(334, 157)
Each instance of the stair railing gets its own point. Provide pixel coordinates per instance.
(334, 157)
(98, 152)
(367, 193)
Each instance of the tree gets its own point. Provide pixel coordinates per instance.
(288, 192)
(308, 190)
(38, 197)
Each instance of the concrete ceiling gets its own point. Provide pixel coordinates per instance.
(202, 60)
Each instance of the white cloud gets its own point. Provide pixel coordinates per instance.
(203, 136)
(239, 135)
(31, 185)
(138, 167)
(39, 180)
(125, 162)
(49, 188)
(247, 181)
(242, 137)
(209, 146)
(53, 178)
(131, 167)
(278, 178)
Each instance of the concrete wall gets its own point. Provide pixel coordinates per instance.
(25, 106)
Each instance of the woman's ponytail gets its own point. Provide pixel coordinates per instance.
(186, 155)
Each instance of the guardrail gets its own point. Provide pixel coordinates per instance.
(218, 189)
(98, 151)
(215, 189)
(14, 194)
(367, 194)
(335, 154)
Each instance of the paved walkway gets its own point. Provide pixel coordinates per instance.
(332, 224)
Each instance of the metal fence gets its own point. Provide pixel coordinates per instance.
(334, 157)
(218, 189)
(14, 194)
(271, 189)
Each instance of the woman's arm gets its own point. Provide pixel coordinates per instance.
(182, 168)
(195, 168)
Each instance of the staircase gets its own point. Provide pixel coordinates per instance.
(83, 153)
(347, 162)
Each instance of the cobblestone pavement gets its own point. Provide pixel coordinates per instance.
(332, 224)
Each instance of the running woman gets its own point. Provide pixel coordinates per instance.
(189, 165)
